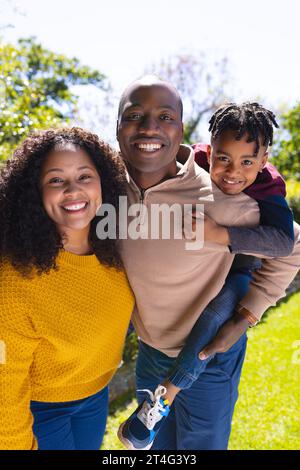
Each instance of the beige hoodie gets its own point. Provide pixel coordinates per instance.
(173, 285)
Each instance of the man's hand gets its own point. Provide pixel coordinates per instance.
(226, 337)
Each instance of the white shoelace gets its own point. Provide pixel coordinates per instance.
(150, 413)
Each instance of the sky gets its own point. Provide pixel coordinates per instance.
(121, 38)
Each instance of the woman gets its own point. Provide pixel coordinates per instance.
(65, 301)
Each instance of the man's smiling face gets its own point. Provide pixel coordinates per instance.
(150, 127)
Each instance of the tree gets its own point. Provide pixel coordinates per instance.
(286, 153)
(201, 84)
(36, 90)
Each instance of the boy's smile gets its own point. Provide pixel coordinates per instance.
(233, 163)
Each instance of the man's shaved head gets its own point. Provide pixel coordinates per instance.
(148, 81)
(149, 128)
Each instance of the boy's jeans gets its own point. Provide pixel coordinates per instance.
(188, 366)
(200, 417)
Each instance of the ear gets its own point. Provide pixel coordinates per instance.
(208, 154)
(117, 128)
(182, 130)
(264, 160)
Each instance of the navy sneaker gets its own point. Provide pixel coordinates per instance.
(139, 430)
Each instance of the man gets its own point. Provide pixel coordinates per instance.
(172, 285)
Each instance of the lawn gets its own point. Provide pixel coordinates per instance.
(267, 415)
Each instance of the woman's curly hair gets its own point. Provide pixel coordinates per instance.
(28, 237)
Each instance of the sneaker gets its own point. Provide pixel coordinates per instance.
(139, 430)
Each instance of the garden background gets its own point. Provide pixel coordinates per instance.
(212, 53)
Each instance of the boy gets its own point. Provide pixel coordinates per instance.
(237, 161)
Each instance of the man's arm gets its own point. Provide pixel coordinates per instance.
(270, 282)
(268, 285)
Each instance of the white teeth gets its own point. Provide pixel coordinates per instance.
(149, 147)
(231, 182)
(75, 207)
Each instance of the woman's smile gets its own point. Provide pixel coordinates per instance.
(75, 207)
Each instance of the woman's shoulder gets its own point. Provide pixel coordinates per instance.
(15, 287)
(14, 297)
(8, 271)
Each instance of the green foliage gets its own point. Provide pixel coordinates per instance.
(188, 136)
(35, 90)
(286, 155)
(131, 348)
(267, 412)
(293, 197)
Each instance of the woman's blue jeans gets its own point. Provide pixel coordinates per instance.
(73, 425)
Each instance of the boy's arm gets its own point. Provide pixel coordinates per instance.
(260, 240)
(274, 237)
(267, 240)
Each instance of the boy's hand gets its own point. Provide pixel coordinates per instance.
(214, 232)
(226, 337)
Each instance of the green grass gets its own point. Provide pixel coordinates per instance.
(267, 414)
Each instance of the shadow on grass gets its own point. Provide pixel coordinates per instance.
(121, 402)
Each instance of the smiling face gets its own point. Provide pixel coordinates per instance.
(233, 163)
(71, 188)
(150, 128)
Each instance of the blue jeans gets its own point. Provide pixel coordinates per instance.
(73, 425)
(201, 415)
(187, 367)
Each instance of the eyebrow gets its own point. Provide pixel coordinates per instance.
(228, 154)
(60, 170)
(137, 105)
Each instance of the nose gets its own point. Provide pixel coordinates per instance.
(232, 169)
(70, 188)
(149, 124)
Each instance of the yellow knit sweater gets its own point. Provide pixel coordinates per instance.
(61, 338)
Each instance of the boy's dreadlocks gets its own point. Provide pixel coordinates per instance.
(250, 118)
